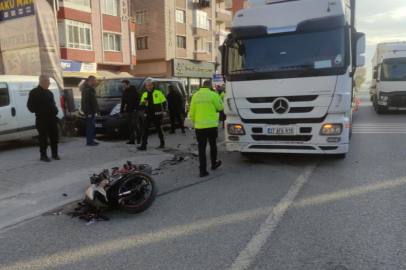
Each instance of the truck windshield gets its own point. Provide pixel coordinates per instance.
(394, 69)
(284, 53)
(112, 88)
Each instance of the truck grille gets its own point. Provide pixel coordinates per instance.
(292, 110)
(397, 101)
(291, 99)
(300, 138)
(285, 121)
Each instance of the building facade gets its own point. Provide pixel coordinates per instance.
(97, 37)
(179, 38)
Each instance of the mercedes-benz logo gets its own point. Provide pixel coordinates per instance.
(280, 106)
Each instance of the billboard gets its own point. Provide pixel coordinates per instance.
(48, 42)
(72, 66)
(14, 9)
(22, 62)
(18, 34)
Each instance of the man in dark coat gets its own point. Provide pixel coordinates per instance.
(41, 102)
(175, 108)
(90, 107)
(130, 105)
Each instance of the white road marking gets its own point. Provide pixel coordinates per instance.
(246, 257)
(380, 128)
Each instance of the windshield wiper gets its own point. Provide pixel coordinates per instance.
(300, 66)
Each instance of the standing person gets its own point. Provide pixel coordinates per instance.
(203, 114)
(130, 104)
(41, 102)
(175, 107)
(90, 108)
(155, 110)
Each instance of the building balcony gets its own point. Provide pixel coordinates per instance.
(202, 56)
(224, 15)
(201, 31)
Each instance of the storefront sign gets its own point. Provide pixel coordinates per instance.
(14, 9)
(18, 34)
(72, 66)
(187, 68)
(170, 26)
(124, 12)
(22, 62)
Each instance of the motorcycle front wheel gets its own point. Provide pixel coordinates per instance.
(142, 191)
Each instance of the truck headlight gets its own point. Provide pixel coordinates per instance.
(235, 129)
(116, 109)
(331, 129)
(383, 98)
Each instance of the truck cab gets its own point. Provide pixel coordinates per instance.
(289, 67)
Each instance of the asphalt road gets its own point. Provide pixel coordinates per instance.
(263, 212)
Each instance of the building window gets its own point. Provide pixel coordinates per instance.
(200, 19)
(208, 47)
(209, 24)
(196, 45)
(78, 35)
(180, 16)
(181, 42)
(112, 42)
(142, 43)
(85, 3)
(110, 7)
(141, 16)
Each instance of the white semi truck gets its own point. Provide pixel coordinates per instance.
(388, 90)
(289, 68)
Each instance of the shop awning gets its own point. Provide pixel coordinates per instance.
(113, 74)
(84, 75)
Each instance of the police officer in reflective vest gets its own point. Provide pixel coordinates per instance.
(155, 109)
(204, 110)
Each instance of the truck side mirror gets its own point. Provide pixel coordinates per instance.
(361, 46)
(375, 74)
(223, 52)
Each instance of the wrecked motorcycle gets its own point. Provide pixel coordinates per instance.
(130, 189)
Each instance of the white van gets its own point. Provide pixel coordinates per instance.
(16, 121)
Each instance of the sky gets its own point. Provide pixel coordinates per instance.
(381, 21)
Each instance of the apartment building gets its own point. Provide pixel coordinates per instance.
(97, 37)
(179, 38)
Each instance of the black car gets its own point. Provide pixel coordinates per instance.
(109, 94)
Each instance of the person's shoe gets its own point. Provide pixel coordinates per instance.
(96, 143)
(92, 144)
(56, 157)
(162, 145)
(143, 147)
(183, 131)
(203, 174)
(172, 132)
(130, 142)
(216, 165)
(138, 141)
(45, 159)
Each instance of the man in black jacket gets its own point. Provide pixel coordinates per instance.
(41, 102)
(90, 107)
(130, 104)
(175, 106)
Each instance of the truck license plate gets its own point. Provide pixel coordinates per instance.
(99, 125)
(281, 131)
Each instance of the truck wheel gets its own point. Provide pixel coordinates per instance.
(372, 98)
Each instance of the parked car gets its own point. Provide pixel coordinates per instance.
(109, 94)
(16, 121)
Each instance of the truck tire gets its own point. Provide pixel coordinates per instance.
(380, 109)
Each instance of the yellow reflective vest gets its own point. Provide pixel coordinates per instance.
(158, 98)
(204, 107)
